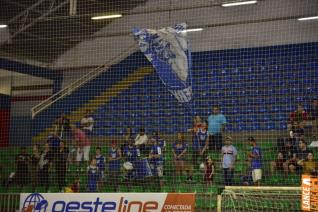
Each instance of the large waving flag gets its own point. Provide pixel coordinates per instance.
(168, 51)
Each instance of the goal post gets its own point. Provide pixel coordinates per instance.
(254, 198)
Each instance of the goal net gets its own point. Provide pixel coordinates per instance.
(261, 199)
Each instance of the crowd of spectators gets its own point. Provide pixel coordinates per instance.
(136, 158)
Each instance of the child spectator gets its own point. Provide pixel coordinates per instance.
(141, 140)
(200, 144)
(76, 185)
(61, 165)
(256, 163)
(114, 157)
(208, 171)
(100, 160)
(180, 151)
(229, 154)
(22, 168)
(156, 160)
(278, 163)
(35, 157)
(45, 162)
(92, 176)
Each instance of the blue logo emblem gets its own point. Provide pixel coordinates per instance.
(35, 203)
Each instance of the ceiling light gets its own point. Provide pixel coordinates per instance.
(3, 26)
(308, 18)
(193, 30)
(106, 17)
(238, 3)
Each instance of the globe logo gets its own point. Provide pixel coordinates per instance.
(35, 203)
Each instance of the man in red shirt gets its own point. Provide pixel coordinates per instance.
(297, 117)
(83, 145)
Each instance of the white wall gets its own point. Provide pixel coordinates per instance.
(101, 48)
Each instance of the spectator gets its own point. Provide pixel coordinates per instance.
(208, 171)
(278, 163)
(229, 154)
(76, 185)
(100, 160)
(127, 135)
(256, 163)
(297, 117)
(180, 151)
(196, 124)
(83, 145)
(45, 163)
(160, 141)
(294, 164)
(216, 127)
(61, 166)
(54, 143)
(22, 168)
(63, 127)
(310, 166)
(87, 123)
(35, 157)
(156, 160)
(92, 176)
(200, 144)
(131, 154)
(114, 157)
(313, 116)
(141, 140)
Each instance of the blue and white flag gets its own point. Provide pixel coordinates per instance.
(168, 51)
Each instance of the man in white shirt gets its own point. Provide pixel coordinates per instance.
(141, 140)
(87, 123)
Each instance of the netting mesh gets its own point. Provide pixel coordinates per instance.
(83, 109)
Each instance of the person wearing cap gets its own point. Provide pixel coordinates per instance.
(114, 157)
(216, 126)
(229, 154)
(256, 161)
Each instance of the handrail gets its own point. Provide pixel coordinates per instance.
(81, 81)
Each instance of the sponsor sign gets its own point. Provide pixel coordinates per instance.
(107, 202)
(309, 193)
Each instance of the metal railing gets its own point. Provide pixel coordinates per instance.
(9, 202)
(81, 81)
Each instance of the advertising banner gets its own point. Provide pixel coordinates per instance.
(309, 193)
(107, 202)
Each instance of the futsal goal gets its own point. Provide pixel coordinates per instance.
(238, 198)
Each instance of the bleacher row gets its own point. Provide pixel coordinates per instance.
(256, 89)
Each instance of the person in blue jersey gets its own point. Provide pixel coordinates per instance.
(114, 157)
(217, 122)
(100, 160)
(156, 160)
(180, 154)
(256, 161)
(160, 141)
(200, 144)
(92, 176)
(131, 155)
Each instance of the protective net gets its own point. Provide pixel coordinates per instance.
(158, 96)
